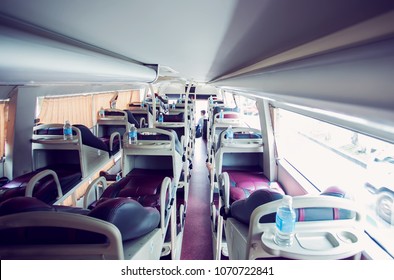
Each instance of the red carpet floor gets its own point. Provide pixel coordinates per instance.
(197, 239)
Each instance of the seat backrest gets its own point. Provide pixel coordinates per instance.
(131, 119)
(116, 211)
(242, 209)
(91, 140)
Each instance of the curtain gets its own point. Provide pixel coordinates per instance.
(82, 109)
(123, 101)
(101, 100)
(76, 109)
(135, 95)
(3, 126)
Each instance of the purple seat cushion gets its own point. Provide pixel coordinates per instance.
(244, 183)
(143, 185)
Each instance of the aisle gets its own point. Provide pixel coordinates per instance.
(197, 240)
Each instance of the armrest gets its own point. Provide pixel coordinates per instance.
(225, 189)
(111, 140)
(142, 123)
(33, 181)
(165, 203)
(93, 192)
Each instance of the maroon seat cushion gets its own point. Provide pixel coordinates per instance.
(244, 183)
(45, 189)
(143, 185)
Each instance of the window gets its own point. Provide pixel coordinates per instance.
(328, 155)
(249, 112)
(247, 108)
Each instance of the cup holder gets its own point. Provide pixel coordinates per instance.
(347, 237)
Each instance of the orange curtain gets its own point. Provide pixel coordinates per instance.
(3, 126)
(82, 109)
(76, 109)
(135, 95)
(123, 101)
(101, 100)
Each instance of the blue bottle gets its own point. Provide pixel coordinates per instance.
(285, 222)
(133, 135)
(67, 131)
(230, 134)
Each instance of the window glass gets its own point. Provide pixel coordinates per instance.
(229, 100)
(328, 155)
(249, 112)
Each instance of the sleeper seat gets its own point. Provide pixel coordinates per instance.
(251, 219)
(88, 138)
(69, 175)
(143, 185)
(244, 183)
(115, 211)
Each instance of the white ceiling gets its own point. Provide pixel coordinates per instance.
(201, 40)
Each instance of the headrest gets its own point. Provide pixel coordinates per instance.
(23, 204)
(242, 209)
(132, 219)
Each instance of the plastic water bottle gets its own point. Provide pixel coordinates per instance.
(161, 118)
(133, 135)
(142, 104)
(285, 222)
(67, 131)
(102, 112)
(173, 105)
(211, 100)
(221, 114)
(230, 134)
(118, 177)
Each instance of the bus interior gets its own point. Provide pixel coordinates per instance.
(190, 122)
